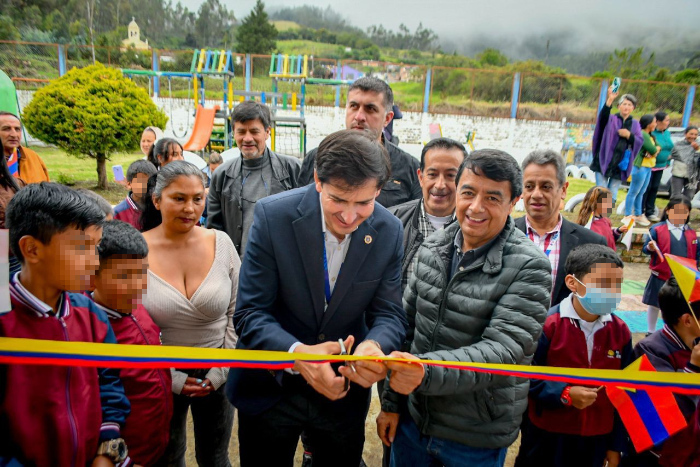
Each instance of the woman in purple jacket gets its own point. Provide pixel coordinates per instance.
(613, 136)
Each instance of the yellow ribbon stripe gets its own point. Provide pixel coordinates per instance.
(33, 351)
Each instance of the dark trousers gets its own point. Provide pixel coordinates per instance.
(679, 187)
(545, 448)
(212, 416)
(334, 430)
(649, 201)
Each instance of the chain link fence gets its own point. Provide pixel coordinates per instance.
(466, 91)
(558, 97)
(461, 91)
(654, 96)
(31, 60)
(407, 81)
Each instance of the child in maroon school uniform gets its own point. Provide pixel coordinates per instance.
(595, 209)
(137, 176)
(573, 424)
(672, 235)
(119, 284)
(674, 348)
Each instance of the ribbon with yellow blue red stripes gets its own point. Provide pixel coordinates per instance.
(88, 354)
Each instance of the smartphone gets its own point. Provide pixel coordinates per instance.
(118, 172)
(616, 84)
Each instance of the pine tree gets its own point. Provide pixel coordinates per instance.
(256, 35)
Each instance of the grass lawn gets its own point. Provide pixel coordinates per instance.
(82, 173)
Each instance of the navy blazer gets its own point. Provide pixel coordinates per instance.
(281, 289)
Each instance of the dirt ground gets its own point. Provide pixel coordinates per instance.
(373, 447)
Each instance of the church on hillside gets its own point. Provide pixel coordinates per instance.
(134, 37)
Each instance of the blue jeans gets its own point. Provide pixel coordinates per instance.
(410, 447)
(612, 184)
(635, 195)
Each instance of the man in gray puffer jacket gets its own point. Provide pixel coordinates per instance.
(479, 293)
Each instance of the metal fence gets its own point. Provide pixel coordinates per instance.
(466, 91)
(31, 60)
(462, 91)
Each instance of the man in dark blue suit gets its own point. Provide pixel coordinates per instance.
(323, 263)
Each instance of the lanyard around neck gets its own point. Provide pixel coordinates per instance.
(327, 285)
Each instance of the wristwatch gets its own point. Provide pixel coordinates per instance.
(115, 449)
(565, 397)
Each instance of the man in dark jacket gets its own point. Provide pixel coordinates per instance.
(238, 184)
(544, 189)
(479, 293)
(439, 163)
(369, 107)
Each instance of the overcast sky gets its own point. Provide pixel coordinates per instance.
(586, 24)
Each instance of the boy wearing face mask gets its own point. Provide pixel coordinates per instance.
(570, 424)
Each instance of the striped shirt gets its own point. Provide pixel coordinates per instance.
(549, 243)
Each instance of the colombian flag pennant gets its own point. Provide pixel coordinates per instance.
(650, 416)
(687, 275)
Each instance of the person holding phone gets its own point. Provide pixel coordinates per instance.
(616, 140)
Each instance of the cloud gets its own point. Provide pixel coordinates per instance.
(521, 28)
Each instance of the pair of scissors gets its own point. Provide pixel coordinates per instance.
(344, 351)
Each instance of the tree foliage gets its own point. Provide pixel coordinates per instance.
(257, 35)
(92, 112)
(422, 38)
(163, 23)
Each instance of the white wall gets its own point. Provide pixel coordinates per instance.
(517, 137)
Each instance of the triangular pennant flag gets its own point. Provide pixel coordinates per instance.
(590, 222)
(627, 239)
(650, 416)
(686, 273)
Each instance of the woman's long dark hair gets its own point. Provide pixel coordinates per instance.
(161, 147)
(7, 180)
(150, 216)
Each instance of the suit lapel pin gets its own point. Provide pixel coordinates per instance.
(368, 239)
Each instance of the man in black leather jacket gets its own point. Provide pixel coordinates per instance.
(369, 107)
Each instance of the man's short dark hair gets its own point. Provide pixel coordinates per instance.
(120, 238)
(581, 259)
(673, 304)
(371, 84)
(352, 158)
(140, 166)
(495, 165)
(441, 143)
(251, 110)
(45, 209)
(548, 157)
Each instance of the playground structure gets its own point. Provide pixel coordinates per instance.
(287, 133)
(206, 133)
(293, 69)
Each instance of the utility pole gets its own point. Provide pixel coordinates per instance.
(546, 54)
